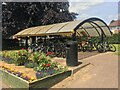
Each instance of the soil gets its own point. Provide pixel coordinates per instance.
(28, 71)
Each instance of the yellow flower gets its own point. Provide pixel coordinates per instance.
(11, 69)
(15, 71)
(7, 68)
(24, 75)
(32, 78)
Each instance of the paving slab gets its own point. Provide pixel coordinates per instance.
(74, 69)
(102, 74)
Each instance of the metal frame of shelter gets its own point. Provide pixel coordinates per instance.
(90, 27)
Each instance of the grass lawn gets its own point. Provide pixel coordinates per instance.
(117, 49)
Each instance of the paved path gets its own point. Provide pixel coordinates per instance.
(102, 73)
(82, 55)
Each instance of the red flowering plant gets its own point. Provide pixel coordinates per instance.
(51, 54)
(22, 48)
(44, 63)
(21, 57)
(44, 70)
(34, 57)
(47, 67)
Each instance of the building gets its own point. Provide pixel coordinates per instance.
(115, 26)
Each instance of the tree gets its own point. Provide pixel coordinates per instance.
(112, 21)
(20, 15)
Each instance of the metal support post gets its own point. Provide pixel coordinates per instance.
(26, 42)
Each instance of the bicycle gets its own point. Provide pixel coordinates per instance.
(88, 46)
(105, 46)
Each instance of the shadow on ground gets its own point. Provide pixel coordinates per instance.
(82, 55)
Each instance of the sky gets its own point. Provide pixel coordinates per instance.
(106, 10)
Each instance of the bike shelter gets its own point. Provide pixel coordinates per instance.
(92, 27)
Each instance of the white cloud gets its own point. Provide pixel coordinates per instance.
(83, 16)
(79, 6)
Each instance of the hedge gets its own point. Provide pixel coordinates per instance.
(114, 39)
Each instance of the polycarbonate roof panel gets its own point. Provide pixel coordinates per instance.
(89, 31)
(87, 25)
(91, 27)
(35, 30)
(104, 28)
(106, 31)
(45, 29)
(21, 32)
(25, 32)
(57, 28)
(92, 32)
(79, 33)
(69, 27)
(82, 32)
(98, 30)
(99, 23)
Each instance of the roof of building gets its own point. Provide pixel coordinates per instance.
(115, 23)
(89, 27)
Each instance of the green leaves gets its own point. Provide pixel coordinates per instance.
(17, 16)
(22, 57)
(38, 61)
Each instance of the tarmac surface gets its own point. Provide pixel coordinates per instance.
(102, 73)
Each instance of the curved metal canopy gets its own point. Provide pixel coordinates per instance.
(89, 27)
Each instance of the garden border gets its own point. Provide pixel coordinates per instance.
(16, 82)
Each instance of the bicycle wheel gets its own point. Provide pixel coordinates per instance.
(84, 48)
(90, 48)
(100, 48)
(112, 48)
(63, 53)
(96, 46)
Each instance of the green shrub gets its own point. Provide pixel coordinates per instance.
(21, 57)
(114, 39)
(29, 65)
(34, 57)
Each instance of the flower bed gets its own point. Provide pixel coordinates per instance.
(40, 62)
(16, 82)
(17, 73)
